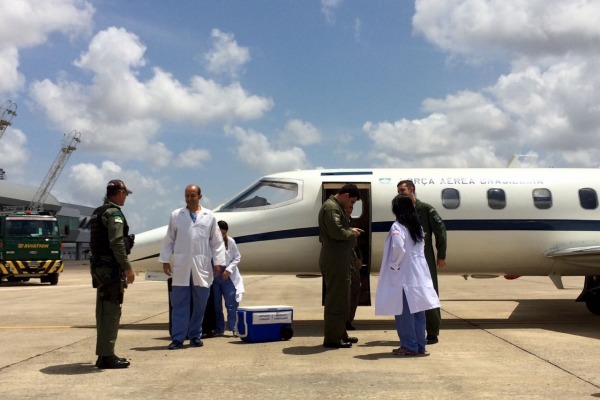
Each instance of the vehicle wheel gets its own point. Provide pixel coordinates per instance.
(53, 279)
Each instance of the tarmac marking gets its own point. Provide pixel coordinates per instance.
(38, 327)
(555, 365)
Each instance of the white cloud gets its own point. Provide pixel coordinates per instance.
(86, 185)
(193, 158)
(549, 101)
(28, 23)
(226, 56)
(13, 153)
(119, 113)
(300, 133)
(328, 8)
(490, 28)
(357, 28)
(256, 152)
(10, 78)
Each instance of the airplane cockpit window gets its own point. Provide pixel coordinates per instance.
(496, 199)
(450, 198)
(264, 193)
(357, 210)
(542, 198)
(588, 198)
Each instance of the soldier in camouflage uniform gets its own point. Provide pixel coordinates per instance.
(110, 243)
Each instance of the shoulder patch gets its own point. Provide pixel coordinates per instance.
(117, 216)
(437, 218)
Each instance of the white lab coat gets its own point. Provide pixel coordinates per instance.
(232, 259)
(404, 270)
(190, 246)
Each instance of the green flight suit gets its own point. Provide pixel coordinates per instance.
(337, 239)
(432, 224)
(109, 295)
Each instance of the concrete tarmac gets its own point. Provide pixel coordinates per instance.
(500, 339)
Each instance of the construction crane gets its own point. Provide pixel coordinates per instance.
(8, 110)
(69, 145)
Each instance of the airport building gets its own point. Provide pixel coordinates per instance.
(77, 218)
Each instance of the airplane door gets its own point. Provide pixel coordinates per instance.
(361, 218)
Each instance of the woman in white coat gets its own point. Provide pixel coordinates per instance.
(405, 289)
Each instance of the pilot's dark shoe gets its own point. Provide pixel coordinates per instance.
(175, 345)
(350, 339)
(342, 344)
(431, 339)
(196, 342)
(350, 327)
(111, 362)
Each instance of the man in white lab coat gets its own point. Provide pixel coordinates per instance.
(192, 245)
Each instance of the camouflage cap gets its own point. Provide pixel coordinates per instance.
(115, 185)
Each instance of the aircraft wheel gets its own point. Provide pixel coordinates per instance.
(593, 303)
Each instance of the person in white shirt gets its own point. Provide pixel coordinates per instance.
(192, 245)
(228, 286)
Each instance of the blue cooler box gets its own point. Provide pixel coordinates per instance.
(265, 323)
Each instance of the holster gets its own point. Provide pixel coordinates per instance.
(109, 280)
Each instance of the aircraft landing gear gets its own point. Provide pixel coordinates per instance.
(591, 294)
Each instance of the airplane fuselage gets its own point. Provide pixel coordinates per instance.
(499, 221)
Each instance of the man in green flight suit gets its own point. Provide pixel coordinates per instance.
(337, 238)
(110, 243)
(431, 223)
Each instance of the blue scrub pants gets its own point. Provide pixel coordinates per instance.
(224, 290)
(411, 328)
(183, 324)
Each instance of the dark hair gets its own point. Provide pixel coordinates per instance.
(351, 189)
(404, 210)
(223, 225)
(409, 184)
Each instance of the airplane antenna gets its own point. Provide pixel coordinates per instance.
(69, 145)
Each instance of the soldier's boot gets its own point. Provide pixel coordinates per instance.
(111, 362)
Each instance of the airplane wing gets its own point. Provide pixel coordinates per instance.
(584, 255)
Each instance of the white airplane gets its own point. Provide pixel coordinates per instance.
(500, 222)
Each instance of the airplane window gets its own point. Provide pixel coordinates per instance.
(450, 198)
(357, 210)
(496, 199)
(542, 198)
(588, 198)
(264, 193)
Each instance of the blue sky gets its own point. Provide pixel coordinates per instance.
(220, 93)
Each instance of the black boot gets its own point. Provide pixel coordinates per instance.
(111, 362)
